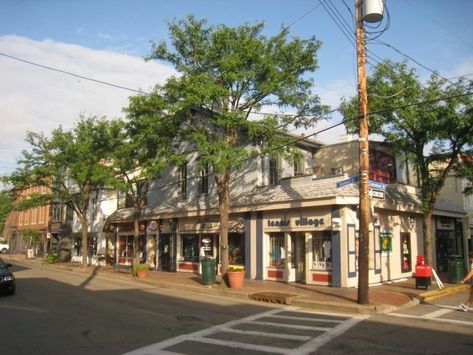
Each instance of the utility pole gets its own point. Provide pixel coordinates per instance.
(364, 203)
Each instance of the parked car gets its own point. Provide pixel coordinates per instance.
(4, 247)
(7, 279)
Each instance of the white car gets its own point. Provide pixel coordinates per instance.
(4, 247)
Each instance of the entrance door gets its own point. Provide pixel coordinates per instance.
(164, 262)
(298, 255)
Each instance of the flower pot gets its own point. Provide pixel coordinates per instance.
(141, 274)
(235, 278)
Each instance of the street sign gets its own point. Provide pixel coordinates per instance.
(352, 180)
(376, 193)
(377, 185)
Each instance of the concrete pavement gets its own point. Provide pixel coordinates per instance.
(384, 298)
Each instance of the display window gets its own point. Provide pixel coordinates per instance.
(236, 249)
(277, 253)
(406, 263)
(194, 247)
(322, 250)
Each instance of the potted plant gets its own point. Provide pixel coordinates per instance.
(235, 276)
(141, 270)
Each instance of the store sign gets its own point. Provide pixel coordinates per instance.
(445, 224)
(295, 222)
(153, 225)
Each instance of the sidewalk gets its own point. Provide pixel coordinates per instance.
(384, 298)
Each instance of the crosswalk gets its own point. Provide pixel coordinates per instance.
(280, 331)
(443, 314)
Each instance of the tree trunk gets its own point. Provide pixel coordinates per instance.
(85, 239)
(426, 224)
(223, 190)
(136, 233)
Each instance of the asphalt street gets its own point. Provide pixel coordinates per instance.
(64, 312)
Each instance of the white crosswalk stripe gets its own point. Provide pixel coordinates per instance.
(436, 315)
(266, 332)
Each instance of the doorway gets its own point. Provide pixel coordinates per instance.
(164, 252)
(298, 256)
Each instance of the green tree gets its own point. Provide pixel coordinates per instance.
(69, 164)
(424, 129)
(6, 205)
(225, 75)
(142, 151)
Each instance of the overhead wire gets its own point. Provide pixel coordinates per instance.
(296, 140)
(73, 74)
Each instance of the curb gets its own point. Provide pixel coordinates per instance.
(270, 296)
(431, 295)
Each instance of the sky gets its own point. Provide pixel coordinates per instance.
(106, 40)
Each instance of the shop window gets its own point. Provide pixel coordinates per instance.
(322, 250)
(277, 253)
(406, 263)
(236, 249)
(125, 246)
(190, 248)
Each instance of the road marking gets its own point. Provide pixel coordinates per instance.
(434, 316)
(312, 343)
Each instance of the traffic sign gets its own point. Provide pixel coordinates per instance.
(352, 180)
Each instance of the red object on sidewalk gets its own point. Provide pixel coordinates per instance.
(420, 260)
(423, 271)
(423, 274)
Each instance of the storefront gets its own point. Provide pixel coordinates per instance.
(161, 244)
(297, 245)
(448, 240)
(197, 240)
(124, 244)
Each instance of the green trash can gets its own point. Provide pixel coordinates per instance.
(455, 269)
(208, 271)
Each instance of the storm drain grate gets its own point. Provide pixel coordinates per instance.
(273, 297)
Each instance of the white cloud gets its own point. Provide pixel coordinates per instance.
(39, 100)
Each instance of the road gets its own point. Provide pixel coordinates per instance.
(63, 312)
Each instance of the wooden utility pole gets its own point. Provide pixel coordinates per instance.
(364, 203)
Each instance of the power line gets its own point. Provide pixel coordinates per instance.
(74, 75)
(296, 140)
(300, 18)
(453, 34)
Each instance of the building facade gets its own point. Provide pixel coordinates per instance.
(289, 221)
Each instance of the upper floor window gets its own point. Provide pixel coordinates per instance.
(124, 200)
(204, 179)
(56, 213)
(273, 171)
(183, 180)
(298, 167)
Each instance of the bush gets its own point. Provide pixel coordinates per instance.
(140, 267)
(236, 268)
(51, 258)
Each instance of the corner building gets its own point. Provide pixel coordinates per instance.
(291, 221)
